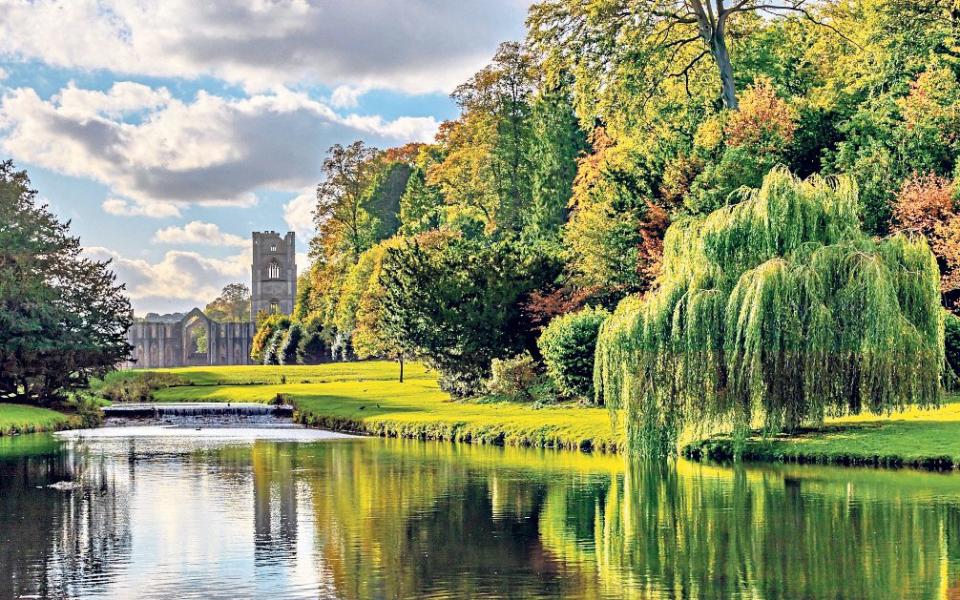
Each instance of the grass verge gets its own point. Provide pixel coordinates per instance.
(20, 418)
(928, 439)
(367, 398)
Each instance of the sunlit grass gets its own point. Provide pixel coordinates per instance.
(916, 436)
(367, 397)
(19, 418)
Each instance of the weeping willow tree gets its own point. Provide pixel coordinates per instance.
(775, 311)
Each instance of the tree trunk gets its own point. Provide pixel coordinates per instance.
(718, 49)
(401, 368)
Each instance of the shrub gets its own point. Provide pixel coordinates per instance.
(568, 346)
(514, 377)
(952, 347)
(271, 352)
(135, 386)
(287, 353)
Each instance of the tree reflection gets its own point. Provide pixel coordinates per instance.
(421, 520)
(54, 542)
(376, 518)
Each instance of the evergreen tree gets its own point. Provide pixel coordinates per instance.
(63, 317)
(287, 349)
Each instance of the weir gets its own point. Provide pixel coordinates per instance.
(205, 411)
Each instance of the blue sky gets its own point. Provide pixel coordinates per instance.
(167, 132)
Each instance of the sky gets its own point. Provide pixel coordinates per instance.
(167, 131)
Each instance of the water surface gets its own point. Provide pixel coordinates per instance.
(298, 514)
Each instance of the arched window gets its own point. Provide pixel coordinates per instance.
(274, 306)
(273, 248)
(273, 271)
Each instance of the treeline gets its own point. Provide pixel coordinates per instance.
(575, 150)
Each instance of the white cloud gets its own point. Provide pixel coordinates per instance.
(211, 151)
(179, 281)
(412, 129)
(3, 74)
(413, 45)
(122, 98)
(123, 208)
(298, 213)
(197, 232)
(347, 96)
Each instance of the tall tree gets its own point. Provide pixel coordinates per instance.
(680, 32)
(486, 169)
(556, 142)
(340, 217)
(232, 305)
(421, 205)
(63, 317)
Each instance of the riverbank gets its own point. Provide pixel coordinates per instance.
(928, 439)
(20, 418)
(367, 398)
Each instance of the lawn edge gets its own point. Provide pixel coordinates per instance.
(71, 421)
(769, 451)
(495, 434)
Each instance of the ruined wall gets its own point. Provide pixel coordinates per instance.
(164, 344)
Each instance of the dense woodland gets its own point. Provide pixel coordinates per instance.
(546, 204)
(727, 212)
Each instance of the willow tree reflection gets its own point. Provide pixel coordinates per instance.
(696, 531)
(407, 519)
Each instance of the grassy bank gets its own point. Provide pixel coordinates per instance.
(20, 418)
(367, 398)
(915, 438)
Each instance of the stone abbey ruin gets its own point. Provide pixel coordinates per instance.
(172, 341)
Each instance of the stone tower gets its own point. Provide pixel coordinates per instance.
(274, 273)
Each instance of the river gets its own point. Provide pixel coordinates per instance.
(278, 514)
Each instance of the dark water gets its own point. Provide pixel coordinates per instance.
(218, 516)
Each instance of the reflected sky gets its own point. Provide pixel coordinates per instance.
(260, 515)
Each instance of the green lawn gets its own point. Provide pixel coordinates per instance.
(366, 397)
(19, 418)
(916, 437)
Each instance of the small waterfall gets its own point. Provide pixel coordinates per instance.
(197, 410)
(206, 414)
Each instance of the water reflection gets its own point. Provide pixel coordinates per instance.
(53, 543)
(161, 518)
